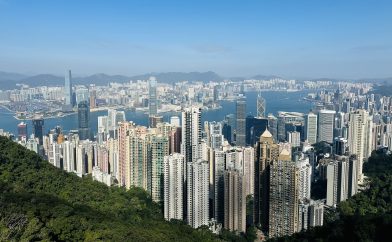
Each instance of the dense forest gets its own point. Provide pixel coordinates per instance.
(367, 216)
(40, 202)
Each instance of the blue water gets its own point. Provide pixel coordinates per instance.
(276, 101)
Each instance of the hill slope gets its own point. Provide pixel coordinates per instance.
(41, 202)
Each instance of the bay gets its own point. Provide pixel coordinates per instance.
(275, 101)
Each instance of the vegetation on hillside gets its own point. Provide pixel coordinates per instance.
(40, 202)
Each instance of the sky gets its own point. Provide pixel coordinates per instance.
(294, 39)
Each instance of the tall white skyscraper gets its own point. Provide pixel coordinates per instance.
(311, 128)
(197, 193)
(68, 88)
(249, 169)
(304, 178)
(191, 134)
(341, 180)
(360, 138)
(325, 125)
(173, 179)
(68, 156)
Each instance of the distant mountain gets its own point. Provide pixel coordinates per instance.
(10, 76)
(42, 79)
(264, 77)
(326, 79)
(387, 80)
(9, 80)
(100, 79)
(173, 77)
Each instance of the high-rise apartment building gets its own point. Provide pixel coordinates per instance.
(341, 179)
(191, 133)
(218, 185)
(234, 201)
(197, 193)
(158, 149)
(304, 178)
(325, 125)
(267, 151)
(173, 179)
(360, 138)
(283, 199)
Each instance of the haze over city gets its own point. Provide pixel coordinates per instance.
(293, 39)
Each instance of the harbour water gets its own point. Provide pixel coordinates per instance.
(275, 101)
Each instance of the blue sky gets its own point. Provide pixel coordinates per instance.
(340, 39)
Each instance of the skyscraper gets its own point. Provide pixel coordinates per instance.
(267, 151)
(84, 120)
(311, 128)
(339, 146)
(158, 149)
(234, 201)
(255, 126)
(82, 94)
(22, 131)
(341, 179)
(283, 199)
(304, 178)
(261, 106)
(294, 138)
(273, 126)
(152, 97)
(38, 126)
(173, 179)
(93, 97)
(68, 88)
(325, 125)
(241, 122)
(191, 133)
(197, 193)
(359, 137)
(218, 185)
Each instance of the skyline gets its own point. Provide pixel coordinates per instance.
(297, 40)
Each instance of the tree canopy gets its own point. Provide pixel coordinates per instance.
(41, 202)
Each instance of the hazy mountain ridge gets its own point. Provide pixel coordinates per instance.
(9, 80)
